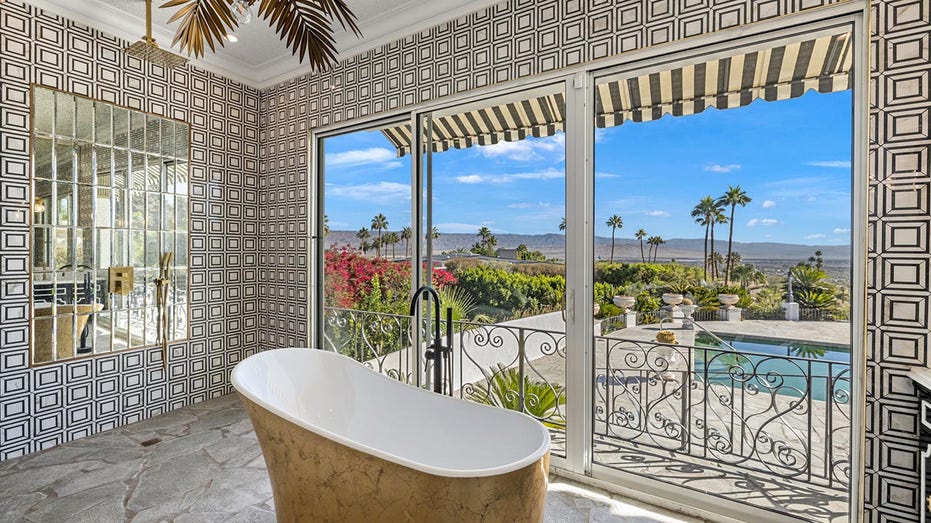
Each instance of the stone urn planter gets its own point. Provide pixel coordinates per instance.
(624, 302)
(728, 300)
(672, 299)
(667, 354)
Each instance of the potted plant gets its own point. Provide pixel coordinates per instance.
(624, 302)
(666, 336)
(728, 300)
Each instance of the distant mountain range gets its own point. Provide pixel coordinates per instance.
(682, 249)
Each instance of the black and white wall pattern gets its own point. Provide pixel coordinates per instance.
(49, 405)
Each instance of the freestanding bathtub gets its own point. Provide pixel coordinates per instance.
(344, 443)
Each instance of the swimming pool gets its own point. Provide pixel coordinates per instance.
(786, 367)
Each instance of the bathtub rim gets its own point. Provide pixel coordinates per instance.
(531, 458)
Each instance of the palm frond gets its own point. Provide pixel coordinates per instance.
(201, 21)
(306, 26)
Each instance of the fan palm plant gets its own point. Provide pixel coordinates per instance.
(379, 223)
(540, 399)
(640, 235)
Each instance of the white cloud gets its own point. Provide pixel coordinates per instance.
(373, 155)
(601, 135)
(837, 164)
(546, 174)
(768, 204)
(817, 236)
(719, 168)
(765, 222)
(839, 230)
(470, 178)
(657, 213)
(527, 149)
(380, 192)
(530, 205)
(605, 175)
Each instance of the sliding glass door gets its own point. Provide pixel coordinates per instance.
(659, 263)
(722, 239)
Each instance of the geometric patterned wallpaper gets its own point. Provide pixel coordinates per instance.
(249, 195)
(52, 404)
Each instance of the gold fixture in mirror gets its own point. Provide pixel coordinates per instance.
(110, 218)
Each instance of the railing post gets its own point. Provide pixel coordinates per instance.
(521, 355)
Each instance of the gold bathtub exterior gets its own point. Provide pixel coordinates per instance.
(316, 479)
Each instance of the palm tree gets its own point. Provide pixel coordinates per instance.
(406, 236)
(659, 241)
(615, 222)
(379, 223)
(640, 235)
(702, 214)
(392, 239)
(734, 196)
(562, 224)
(716, 217)
(326, 225)
(363, 235)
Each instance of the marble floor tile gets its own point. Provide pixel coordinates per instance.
(207, 467)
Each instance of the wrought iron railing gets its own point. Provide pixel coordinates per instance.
(777, 414)
(781, 415)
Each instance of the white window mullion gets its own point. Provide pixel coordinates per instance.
(579, 264)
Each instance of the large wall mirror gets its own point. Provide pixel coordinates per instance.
(109, 227)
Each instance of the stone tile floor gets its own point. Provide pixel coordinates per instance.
(207, 467)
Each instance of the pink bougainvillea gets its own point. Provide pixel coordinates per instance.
(350, 277)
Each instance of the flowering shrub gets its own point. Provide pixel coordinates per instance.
(355, 281)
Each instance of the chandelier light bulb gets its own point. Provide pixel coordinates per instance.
(242, 11)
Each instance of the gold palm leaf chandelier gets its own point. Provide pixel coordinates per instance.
(306, 26)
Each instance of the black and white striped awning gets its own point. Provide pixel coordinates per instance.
(777, 73)
(540, 116)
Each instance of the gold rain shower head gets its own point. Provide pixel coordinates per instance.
(146, 48)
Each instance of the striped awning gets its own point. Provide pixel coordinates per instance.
(540, 116)
(777, 73)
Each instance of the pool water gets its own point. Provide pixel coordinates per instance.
(785, 367)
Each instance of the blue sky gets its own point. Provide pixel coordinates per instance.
(792, 157)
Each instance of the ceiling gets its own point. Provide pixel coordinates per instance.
(259, 58)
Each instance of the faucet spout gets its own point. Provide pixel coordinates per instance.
(437, 353)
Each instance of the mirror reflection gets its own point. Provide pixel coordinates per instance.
(109, 227)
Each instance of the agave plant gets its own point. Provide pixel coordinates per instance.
(541, 399)
(815, 299)
(305, 25)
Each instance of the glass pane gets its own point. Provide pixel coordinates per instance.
(154, 176)
(85, 165)
(168, 214)
(181, 141)
(44, 107)
(64, 115)
(63, 241)
(137, 170)
(153, 135)
(104, 248)
(42, 157)
(707, 222)
(153, 249)
(103, 120)
(85, 123)
(137, 219)
(64, 160)
(41, 248)
(181, 205)
(120, 205)
(120, 248)
(85, 206)
(153, 211)
(121, 168)
(181, 177)
(137, 248)
(104, 214)
(43, 207)
(137, 131)
(104, 159)
(120, 127)
(64, 204)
